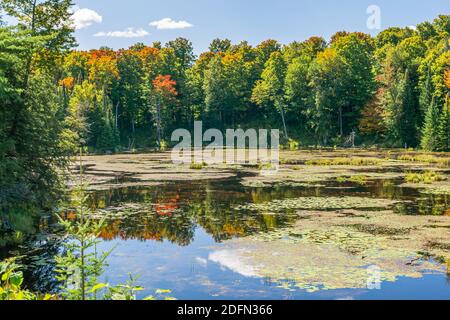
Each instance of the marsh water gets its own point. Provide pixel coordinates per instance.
(169, 236)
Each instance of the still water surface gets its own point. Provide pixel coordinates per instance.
(169, 236)
(172, 241)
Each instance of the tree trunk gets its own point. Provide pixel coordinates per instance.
(284, 123)
(117, 115)
(158, 122)
(133, 134)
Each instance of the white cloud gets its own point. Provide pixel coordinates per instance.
(83, 18)
(168, 23)
(231, 259)
(128, 33)
(201, 261)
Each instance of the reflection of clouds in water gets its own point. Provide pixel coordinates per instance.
(201, 261)
(230, 259)
(346, 299)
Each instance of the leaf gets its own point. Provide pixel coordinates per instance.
(138, 288)
(48, 297)
(99, 286)
(161, 291)
(16, 279)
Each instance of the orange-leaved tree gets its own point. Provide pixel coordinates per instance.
(164, 94)
(447, 78)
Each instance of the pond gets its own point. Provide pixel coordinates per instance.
(219, 239)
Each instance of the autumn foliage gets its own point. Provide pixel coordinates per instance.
(165, 85)
(67, 83)
(447, 78)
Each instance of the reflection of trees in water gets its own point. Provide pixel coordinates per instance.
(16, 225)
(172, 212)
(27, 235)
(40, 265)
(173, 215)
(429, 204)
(176, 229)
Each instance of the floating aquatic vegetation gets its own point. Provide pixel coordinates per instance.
(266, 184)
(336, 251)
(317, 203)
(129, 210)
(314, 266)
(297, 184)
(324, 244)
(254, 184)
(380, 230)
(438, 190)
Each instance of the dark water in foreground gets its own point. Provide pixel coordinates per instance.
(167, 235)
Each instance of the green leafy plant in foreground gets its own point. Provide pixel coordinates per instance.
(81, 265)
(11, 280)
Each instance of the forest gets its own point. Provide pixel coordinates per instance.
(365, 133)
(391, 90)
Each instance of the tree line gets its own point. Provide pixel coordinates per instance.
(391, 90)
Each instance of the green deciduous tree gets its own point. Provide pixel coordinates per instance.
(269, 91)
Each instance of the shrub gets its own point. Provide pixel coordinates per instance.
(293, 145)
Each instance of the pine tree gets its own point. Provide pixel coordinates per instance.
(107, 138)
(426, 93)
(443, 128)
(402, 108)
(429, 131)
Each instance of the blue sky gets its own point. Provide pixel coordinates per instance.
(119, 23)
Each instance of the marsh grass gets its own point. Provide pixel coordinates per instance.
(424, 158)
(359, 179)
(344, 162)
(427, 177)
(197, 166)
